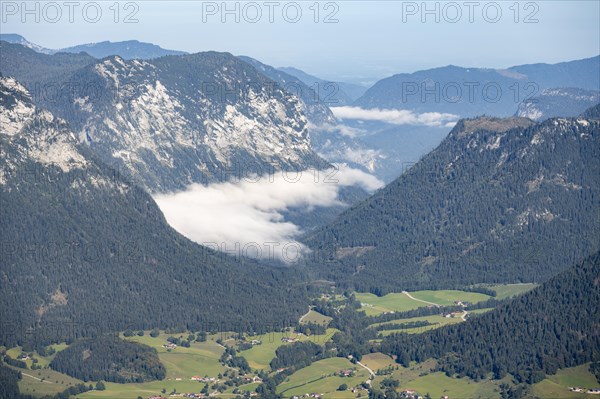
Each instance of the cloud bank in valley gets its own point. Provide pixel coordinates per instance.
(396, 116)
(245, 217)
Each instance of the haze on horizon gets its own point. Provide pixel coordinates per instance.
(343, 40)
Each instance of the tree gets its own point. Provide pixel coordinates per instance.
(343, 387)
(100, 386)
(154, 333)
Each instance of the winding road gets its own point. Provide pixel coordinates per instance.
(366, 368)
(419, 300)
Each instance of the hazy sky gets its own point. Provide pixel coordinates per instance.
(363, 39)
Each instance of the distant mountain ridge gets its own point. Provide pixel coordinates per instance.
(334, 93)
(129, 49)
(474, 91)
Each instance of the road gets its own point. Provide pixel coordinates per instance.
(419, 300)
(366, 368)
(304, 315)
(35, 378)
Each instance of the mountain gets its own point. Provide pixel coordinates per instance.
(175, 120)
(557, 102)
(87, 252)
(557, 325)
(475, 91)
(18, 39)
(129, 50)
(499, 200)
(339, 93)
(42, 74)
(317, 111)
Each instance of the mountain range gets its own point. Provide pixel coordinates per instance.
(469, 92)
(175, 120)
(129, 49)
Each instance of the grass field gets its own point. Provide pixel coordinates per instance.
(316, 317)
(53, 382)
(260, 356)
(508, 290)
(557, 386)
(318, 378)
(438, 384)
(42, 360)
(400, 302)
(447, 297)
(201, 358)
(394, 302)
(377, 361)
(436, 320)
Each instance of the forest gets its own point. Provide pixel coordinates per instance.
(110, 359)
(554, 326)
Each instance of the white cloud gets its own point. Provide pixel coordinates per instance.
(246, 218)
(395, 116)
(344, 130)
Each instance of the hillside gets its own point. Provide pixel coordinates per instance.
(500, 200)
(554, 326)
(560, 102)
(85, 251)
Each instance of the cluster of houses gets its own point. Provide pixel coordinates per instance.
(463, 304)
(204, 379)
(170, 346)
(453, 314)
(309, 395)
(593, 391)
(412, 394)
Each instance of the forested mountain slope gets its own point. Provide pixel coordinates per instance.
(500, 200)
(84, 251)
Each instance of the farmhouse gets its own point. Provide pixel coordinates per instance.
(346, 373)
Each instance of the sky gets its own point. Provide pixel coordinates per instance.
(357, 41)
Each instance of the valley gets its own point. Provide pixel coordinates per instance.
(338, 200)
(189, 368)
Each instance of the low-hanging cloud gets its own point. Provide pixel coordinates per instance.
(246, 217)
(395, 116)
